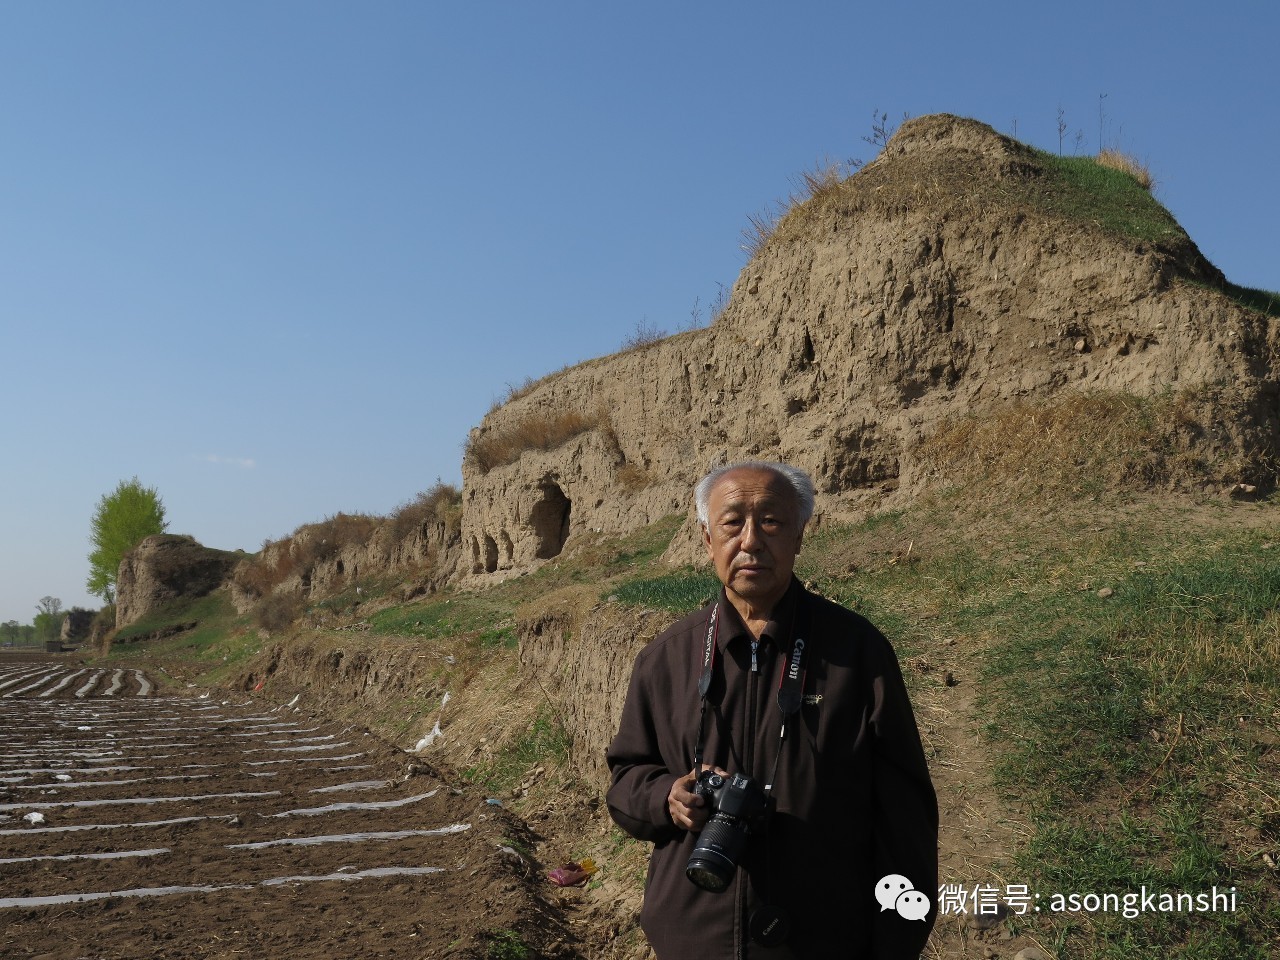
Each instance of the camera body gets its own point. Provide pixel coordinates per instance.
(739, 805)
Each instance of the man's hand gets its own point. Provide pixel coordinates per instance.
(688, 810)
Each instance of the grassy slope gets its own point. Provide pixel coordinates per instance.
(1130, 725)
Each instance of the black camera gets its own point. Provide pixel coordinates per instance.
(739, 806)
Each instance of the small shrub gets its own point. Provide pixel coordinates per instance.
(278, 611)
(257, 575)
(506, 945)
(632, 478)
(442, 503)
(644, 334)
(328, 537)
(302, 550)
(1127, 163)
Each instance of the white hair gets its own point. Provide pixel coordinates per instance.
(799, 481)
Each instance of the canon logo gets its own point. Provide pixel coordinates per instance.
(795, 659)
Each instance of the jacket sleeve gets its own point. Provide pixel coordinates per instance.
(906, 810)
(641, 780)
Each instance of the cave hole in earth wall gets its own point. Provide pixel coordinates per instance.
(550, 520)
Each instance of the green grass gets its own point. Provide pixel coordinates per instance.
(1266, 302)
(1079, 188)
(455, 615)
(1126, 726)
(212, 651)
(489, 614)
(678, 592)
(544, 743)
(506, 945)
(208, 611)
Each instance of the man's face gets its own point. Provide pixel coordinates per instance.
(753, 534)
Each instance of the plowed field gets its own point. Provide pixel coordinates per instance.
(137, 825)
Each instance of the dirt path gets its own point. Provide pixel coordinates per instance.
(978, 830)
(168, 826)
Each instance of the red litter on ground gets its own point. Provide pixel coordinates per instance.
(572, 874)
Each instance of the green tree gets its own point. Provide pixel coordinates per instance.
(123, 519)
(48, 622)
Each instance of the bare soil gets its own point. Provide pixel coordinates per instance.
(180, 789)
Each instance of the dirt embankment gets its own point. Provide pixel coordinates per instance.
(580, 653)
(960, 275)
(574, 659)
(463, 712)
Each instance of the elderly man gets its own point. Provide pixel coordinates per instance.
(813, 832)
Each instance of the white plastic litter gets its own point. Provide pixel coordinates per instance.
(34, 818)
(429, 739)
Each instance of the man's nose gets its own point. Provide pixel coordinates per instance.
(750, 535)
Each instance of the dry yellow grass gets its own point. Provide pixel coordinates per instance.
(1127, 163)
(632, 478)
(817, 184)
(536, 430)
(442, 503)
(1078, 442)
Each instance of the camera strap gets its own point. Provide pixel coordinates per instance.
(704, 682)
(790, 686)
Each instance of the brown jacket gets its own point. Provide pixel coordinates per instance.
(854, 802)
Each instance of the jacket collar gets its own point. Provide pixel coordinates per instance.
(777, 630)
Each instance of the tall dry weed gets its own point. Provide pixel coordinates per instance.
(1127, 163)
(815, 185)
(536, 430)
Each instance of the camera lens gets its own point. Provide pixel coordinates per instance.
(715, 857)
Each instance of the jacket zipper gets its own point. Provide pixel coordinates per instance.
(749, 751)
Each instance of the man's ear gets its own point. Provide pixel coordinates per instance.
(799, 541)
(706, 539)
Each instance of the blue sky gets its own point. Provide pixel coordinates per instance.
(276, 258)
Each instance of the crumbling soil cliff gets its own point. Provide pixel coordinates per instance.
(958, 274)
(165, 568)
